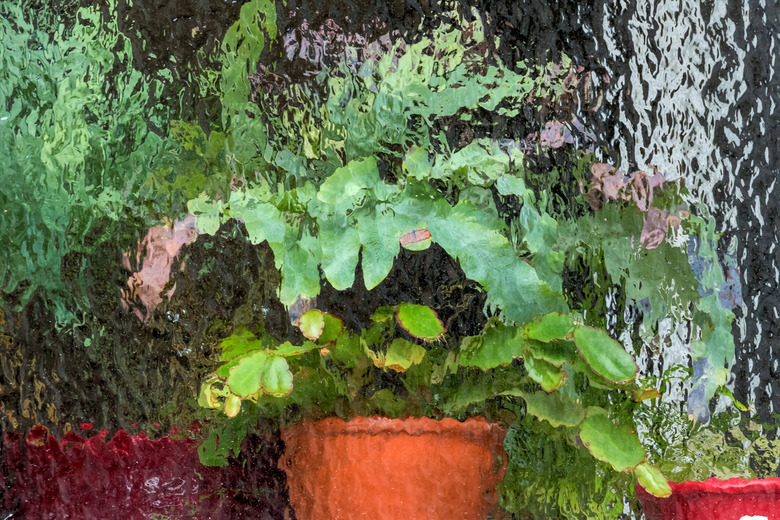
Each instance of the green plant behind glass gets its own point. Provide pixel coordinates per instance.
(76, 145)
(367, 169)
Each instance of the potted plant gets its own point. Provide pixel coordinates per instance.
(367, 167)
(337, 177)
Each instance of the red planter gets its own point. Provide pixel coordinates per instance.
(379, 468)
(129, 477)
(132, 477)
(733, 499)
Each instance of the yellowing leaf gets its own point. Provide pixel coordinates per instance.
(653, 480)
(312, 323)
(402, 354)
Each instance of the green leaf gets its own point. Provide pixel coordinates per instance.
(480, 162)
(540, 236)
(207, 214)
(332, 329)
(554, 408)
(239, 344)
(211, 452)
(347, 350)
(277, 378)
(312, 324)
(610, 443)
(486, 255)
(420, 321)
(262, 220)
(511, 185)
(556, 352)
(387, 404)
(550, 327)
(402, 354)
(497, 345)
(340, 245)
(380, 239)
(287, 349)
(605, 355)
(209, 396)
(245, 378)
(548, 376)
(347, 182)
(416, 163)
(653, 480)
(299, 259)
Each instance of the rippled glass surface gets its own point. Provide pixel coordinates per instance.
(219, 219)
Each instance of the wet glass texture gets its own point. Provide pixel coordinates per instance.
(220, 219)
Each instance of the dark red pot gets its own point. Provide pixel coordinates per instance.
(733, 499)
(130, 477)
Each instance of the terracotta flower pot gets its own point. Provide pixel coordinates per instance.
(733, 499)
(379, 468)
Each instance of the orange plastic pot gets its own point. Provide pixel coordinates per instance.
(379, 468)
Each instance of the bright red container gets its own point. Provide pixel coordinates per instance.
(390, 469)
(713, 499)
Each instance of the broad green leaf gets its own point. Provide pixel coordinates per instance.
(402, 354)
(347, 350)
(471, 390)
(548, 376)
(550, 327)
(332, 330)
(498, 345)
(610, 443)
(299, 260)
(605, 355)
(379, 237)
(480, 162)
(239, 344)
(312, 324)
(261, 219)
(511, 185)
(277, 378)
(340, 245)
(653, 480)
(540, 236)
(244, 378)
(416, 163)
(207, 214)
(556, 352)
(420, 321)
(554, 408)
(347, 182)
(487, 256)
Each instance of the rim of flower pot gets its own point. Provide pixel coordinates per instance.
(476, 429)
(732, 485)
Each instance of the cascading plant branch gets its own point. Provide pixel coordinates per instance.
(318, 199)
